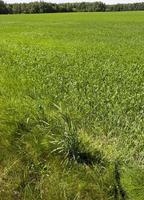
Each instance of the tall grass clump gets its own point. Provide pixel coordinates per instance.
(72, 144)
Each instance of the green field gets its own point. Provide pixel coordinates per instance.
(72, 106)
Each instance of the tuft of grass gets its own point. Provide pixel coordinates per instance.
(70, 144)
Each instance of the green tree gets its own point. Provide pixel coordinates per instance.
(3, 8)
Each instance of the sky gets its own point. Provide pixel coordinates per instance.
(63, 1)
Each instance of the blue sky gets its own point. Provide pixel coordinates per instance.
(62, 1)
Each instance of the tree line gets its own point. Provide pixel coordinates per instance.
(44, 7)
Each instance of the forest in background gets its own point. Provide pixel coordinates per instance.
(44, 7)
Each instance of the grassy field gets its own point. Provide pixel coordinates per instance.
(72, 106)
